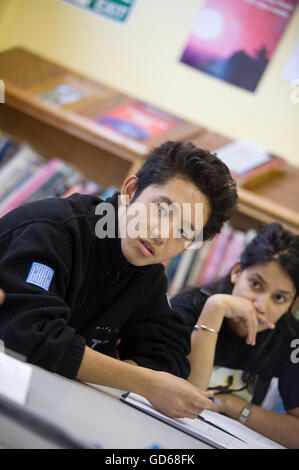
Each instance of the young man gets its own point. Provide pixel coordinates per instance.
(75, 288)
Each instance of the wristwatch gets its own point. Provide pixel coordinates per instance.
(245, 413)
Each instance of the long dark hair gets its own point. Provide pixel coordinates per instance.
(272, 243)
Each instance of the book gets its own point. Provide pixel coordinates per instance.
(26, 190)
(137, 120)
(172, 267)
(198, 264)
(205, 265)
(216, 254)
(17, 170)
(181, 271)
(232, 253)
(248, 163)
(8, 148)
(218, 431)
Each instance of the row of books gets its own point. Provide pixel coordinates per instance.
(27, 176)
(210, 262)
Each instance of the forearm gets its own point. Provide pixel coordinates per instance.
(203, 345)
(282, 428)
(169, 394)
(104, 370)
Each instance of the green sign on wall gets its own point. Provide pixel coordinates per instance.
(117, 10)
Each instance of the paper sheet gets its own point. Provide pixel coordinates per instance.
(242, 437)
(14, 378)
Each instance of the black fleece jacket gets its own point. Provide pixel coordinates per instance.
(67, 288)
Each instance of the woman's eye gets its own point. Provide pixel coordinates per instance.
(255, 284)
(280, 299)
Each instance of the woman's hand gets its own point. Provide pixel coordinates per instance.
(228, 404)
(238, 309)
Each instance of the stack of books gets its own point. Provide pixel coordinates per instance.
(250, 164)
(27, 176)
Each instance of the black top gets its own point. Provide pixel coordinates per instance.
(67, 288)
(233, 352)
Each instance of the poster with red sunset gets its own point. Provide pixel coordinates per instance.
(234, 40)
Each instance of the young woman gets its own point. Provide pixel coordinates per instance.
(244, 334)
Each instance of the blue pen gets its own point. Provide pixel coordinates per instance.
(215, 400)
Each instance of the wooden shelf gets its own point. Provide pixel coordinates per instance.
(71, 132)
(275, 200)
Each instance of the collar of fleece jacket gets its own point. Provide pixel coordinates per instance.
(112, 254)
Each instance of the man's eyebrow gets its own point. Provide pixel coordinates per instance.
(281, 291)
(169, 202)
(165, 199)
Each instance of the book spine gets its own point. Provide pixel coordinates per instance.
(181, 271)
(32, 186)
(204, 270)
(216, 255)
(233, 252)
(198, 264)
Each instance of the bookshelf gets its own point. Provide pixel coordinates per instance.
(275, 200)
(70, 132)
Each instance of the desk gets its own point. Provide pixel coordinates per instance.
(94, 415)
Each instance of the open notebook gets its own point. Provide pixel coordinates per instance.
(212, 428)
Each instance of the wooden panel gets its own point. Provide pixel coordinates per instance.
(95, 163)
(27, 75)
(274, 200)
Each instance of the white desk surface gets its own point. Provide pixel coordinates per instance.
(94, 414)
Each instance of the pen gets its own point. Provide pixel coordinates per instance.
(215, 400)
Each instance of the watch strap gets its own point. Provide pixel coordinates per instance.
(245, 413)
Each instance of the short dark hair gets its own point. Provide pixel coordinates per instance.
(274, 243)
(204, 169)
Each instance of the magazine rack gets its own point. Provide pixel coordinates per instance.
(72, 132)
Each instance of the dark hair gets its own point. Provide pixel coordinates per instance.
(204, 169)
(274, 243)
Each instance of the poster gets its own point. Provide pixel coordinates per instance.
(137, 120)
(116, 10)
(234, 40)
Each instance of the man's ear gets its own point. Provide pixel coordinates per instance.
(295, 306)
(235, 272)
(128, 189)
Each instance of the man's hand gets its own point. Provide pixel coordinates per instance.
(175, 397)
(2, 296)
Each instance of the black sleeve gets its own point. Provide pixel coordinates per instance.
(183, 303)
(155, 336)
(289, 371)
(33, 319)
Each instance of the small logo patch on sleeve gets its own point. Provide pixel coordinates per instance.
(40, 275)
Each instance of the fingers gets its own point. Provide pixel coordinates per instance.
(252, 324)
(264, 321)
